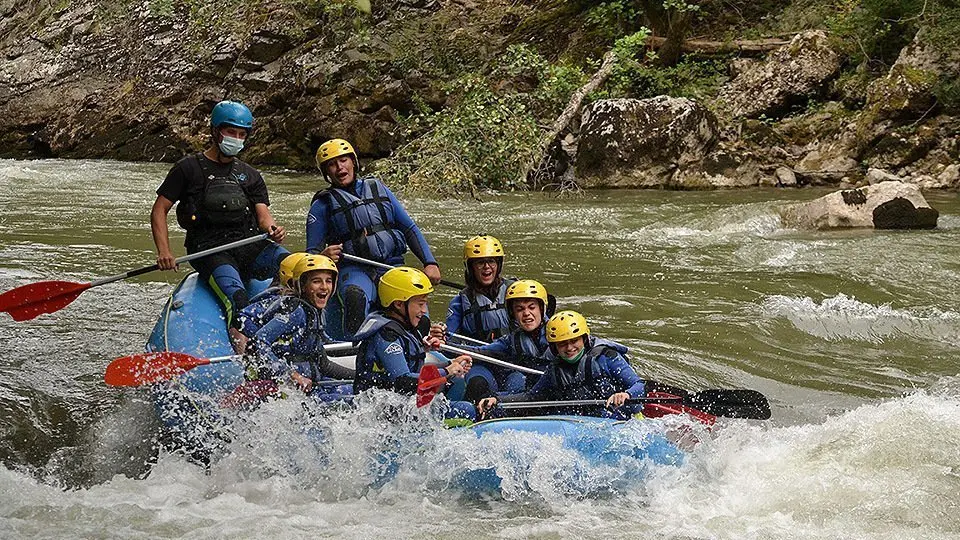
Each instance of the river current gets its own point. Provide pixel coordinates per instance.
(851, 335)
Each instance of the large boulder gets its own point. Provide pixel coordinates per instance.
(641, 143)
(790, 75)
(887, 205)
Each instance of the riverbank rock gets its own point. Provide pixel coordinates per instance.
(789, 76)
(887, 205)
(642, 142)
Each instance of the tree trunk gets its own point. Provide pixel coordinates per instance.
(746, 47)
(571, 110)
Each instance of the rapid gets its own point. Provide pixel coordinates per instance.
(850, 334)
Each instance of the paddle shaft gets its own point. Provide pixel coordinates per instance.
(368, 262)
(469, 339)
(490, 360)
(576, 402)
(181, 260)
(344, 346)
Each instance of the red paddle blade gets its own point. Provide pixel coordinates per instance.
(657, 410)
(29, 301)
(428, 384)
(147, 368)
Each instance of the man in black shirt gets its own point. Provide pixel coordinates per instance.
(221, 199)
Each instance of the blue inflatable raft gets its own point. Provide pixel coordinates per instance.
(192, 322)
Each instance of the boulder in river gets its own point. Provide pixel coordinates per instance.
(887, 205)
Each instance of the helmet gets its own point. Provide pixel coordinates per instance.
(335, 148)
(482, 246)
(526, 288)
(566, 325)
(311, 263)
(402, 283)
(231, 113)
(285, 275)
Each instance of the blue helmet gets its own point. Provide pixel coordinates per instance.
(231, 113)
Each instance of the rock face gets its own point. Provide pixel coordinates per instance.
(887, 205)
(631, 142)
(790, 75)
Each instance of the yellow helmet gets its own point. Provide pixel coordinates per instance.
(526, 288)
(482, 246)
(566, 325)
(335, 148)
(402, 283)
(285, 275)
(311, 263)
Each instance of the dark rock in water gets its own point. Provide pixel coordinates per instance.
(900, 213)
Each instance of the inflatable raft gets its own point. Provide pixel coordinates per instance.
(192, 322)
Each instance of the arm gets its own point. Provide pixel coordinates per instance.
(161, 236)
(454, 315)
(267, 224)
(317, 227)
(416, 241)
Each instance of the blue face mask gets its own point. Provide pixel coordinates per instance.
(231, 146)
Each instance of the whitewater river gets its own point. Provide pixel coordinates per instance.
(852, 335)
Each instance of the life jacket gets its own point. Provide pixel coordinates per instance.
(483, 318)
(365, 225)
(588, 379)
(262, 308)
(530, 352)
(222, 202)
(370, 374)
(302, 347)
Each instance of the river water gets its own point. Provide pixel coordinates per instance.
(851, 334)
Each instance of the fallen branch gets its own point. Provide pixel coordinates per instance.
(744, 46)
(571, 110)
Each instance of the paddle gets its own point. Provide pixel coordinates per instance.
(361, 260)
(468, 339)
(429, 382)
(729, 403)
(489, 360)
(29, 301)
(148, 368)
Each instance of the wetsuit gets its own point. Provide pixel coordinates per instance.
(527, 349)
(371, 223)
(601, 372)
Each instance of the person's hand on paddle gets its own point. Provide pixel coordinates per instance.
(433, 342)
(333, 251)
(166, 260)
(486, 405)
(617, 400)
(277, 233)
(433, 272)
(459, 366)
(303, 383)
(439, 331)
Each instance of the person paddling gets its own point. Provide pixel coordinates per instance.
(526, 345)
(360, 217)
(291, 342)
(585, 367)
(220, 199)
(479, 311)
(392, 345)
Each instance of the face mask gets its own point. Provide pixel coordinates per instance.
(576, 358)
(231, 146)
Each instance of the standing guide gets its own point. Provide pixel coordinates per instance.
(221, 199)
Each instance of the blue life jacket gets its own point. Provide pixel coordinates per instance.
(370, 374)
(590, 378)
(300, 345)
(365, 225)
(483, 318)
(530, 352)
(262, 308)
